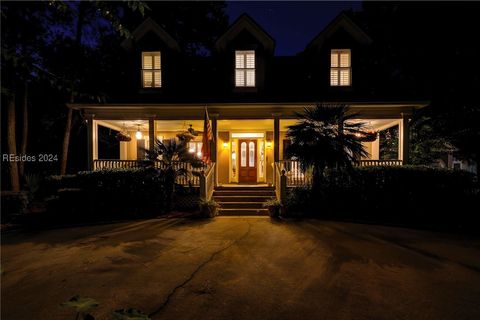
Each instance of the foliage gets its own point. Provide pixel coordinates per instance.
(13, 204)
(82, 306)
(389, 139)
(325, 136)
(111, 193)
(208, 208)
(129, 314)
(32, 185)
(272, 203)
(414, 195)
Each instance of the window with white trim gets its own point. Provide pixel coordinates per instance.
(151, 70)
(340, 67)
(245, 68)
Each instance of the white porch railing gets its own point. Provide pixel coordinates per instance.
(378, 163)
(294, 174)
(194, 180)
(207, 182)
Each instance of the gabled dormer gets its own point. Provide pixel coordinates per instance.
(334, 58)
(154, 56)
(245, 51)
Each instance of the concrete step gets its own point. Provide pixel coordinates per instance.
(221, 199)
(245, 188)
(243, 212)
(241, 205)
(270, 193)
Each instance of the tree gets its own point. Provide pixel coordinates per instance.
(326, 136)
(168, 155)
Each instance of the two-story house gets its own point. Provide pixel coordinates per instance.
(251, 95)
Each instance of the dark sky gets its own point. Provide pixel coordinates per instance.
(292, 24)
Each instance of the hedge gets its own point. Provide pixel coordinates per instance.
(421, 196)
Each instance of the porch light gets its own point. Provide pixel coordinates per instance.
(225, 145)
(199, 154)
(138, 134)
(269, 144)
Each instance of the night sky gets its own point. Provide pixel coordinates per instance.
(292, 24)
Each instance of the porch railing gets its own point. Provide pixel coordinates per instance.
(377, 163)
(207, 182)
(193, 179)
(294, 174)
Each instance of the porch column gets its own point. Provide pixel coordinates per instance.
(404, 133)
(276, 136)
(213, 149)
(90, 142)
(151, 134)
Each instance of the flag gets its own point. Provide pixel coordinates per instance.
(207, 138)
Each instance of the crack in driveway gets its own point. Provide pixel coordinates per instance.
(197, 270)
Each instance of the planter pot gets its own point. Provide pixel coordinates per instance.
(274, 212)
(209, 212)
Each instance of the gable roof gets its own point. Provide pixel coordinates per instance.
(245, 22)
(150, 25)
(342, 21)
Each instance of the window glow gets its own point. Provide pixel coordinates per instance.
(151, 69)
(248, 135)
(251, 154)
(340, 67)
(245, 68)
(243, 154)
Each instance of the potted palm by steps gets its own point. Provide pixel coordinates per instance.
(274, 206)
(208, 208)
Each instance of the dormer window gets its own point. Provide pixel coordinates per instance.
(340, 67)
(245, 68)
(151, 70)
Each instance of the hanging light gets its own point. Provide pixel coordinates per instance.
(138, 134)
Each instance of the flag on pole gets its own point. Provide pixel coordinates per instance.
(207, 138)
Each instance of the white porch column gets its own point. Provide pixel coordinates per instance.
(91, 140)
(213, 149)
(151, 134)
(276, 136)
(404, 138)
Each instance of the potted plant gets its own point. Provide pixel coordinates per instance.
(208, 208)
(273, 206)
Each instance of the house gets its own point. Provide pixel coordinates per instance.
(251, 96)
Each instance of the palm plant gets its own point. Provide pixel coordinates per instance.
(326, 136)
(168, 154)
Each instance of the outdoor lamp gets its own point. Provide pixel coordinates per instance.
(225, 145)
(269, 144)
(138, 134)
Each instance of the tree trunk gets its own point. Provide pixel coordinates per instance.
(23, 146)
(68, 127)
(12, 145)
(66, 141)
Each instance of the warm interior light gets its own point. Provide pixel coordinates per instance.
(225, 145)
(269, 144)
(191, 150)
(138, 134)
(199, 154)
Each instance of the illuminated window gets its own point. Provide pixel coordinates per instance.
(245, 68)
(340, 68)
(151, 70)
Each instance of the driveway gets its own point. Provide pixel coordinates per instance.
(242, 268)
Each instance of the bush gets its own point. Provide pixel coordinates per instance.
(115, 193)
(408, 195)
(13, 204)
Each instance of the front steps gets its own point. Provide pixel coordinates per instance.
(243, 201)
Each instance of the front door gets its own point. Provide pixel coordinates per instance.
(247, 149)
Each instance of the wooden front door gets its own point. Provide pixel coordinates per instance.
(247, 149)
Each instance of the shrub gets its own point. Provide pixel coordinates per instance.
(413, 195)
(208, 208)
(13, 204)
(131, 192)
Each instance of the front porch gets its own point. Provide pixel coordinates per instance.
(245, 151)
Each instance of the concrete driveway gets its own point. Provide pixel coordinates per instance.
(242, 268)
